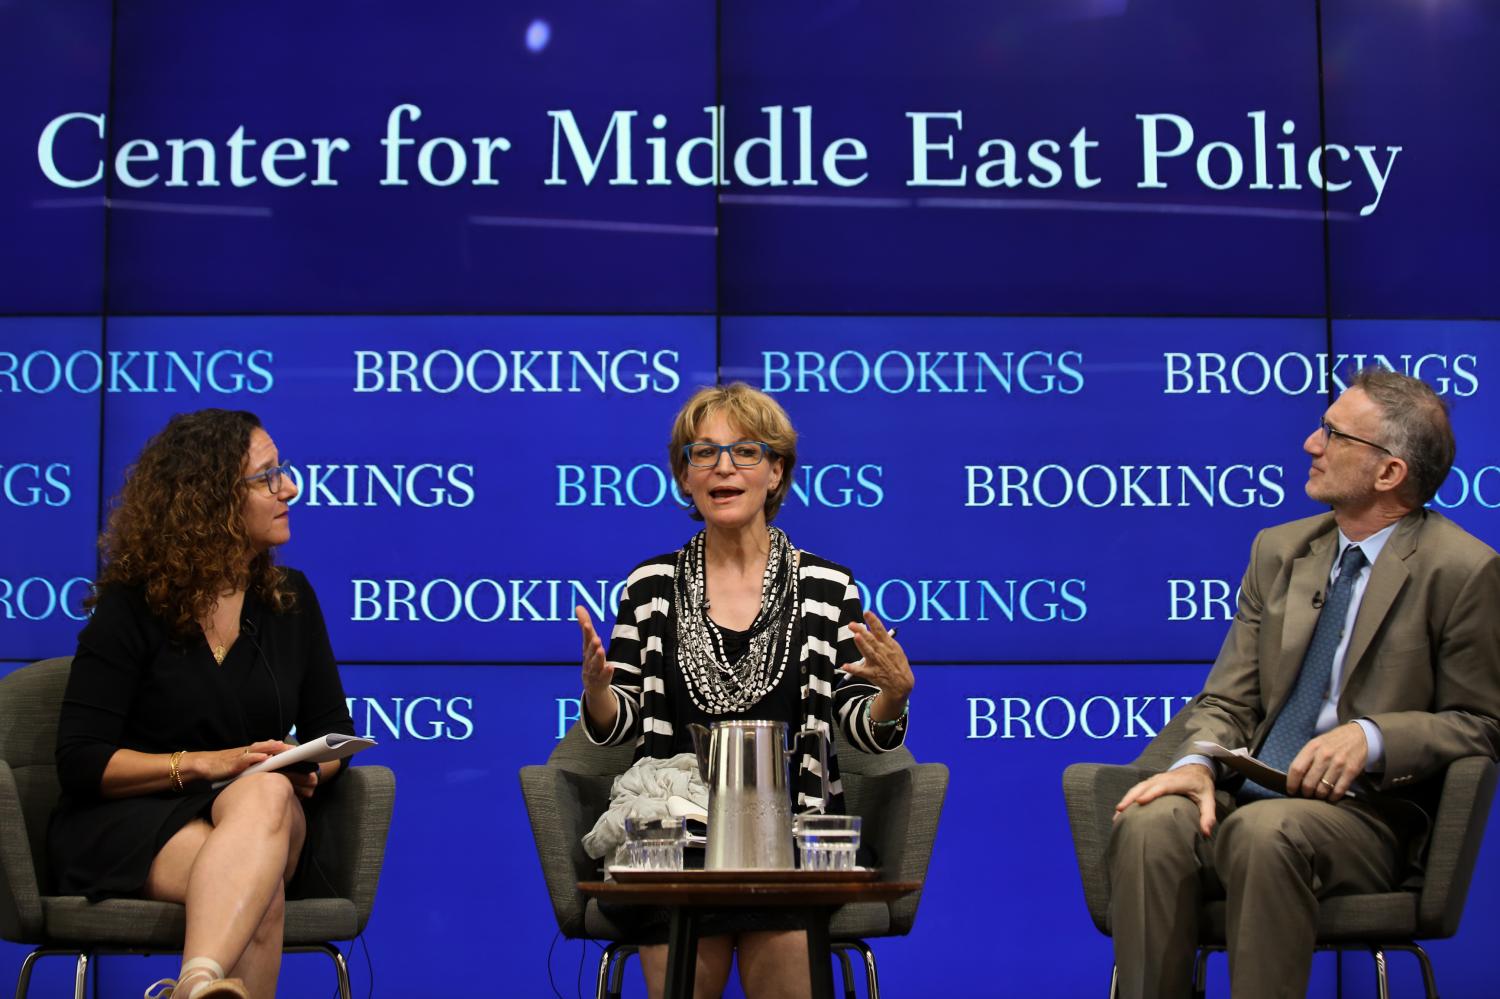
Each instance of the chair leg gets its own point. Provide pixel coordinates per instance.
(80, 970)
(846, 970)
(1382, 984)
(1200, 969)
(601, 979)
(872, 977)
(340, 966)
(1429, 980)
(610, 982)
(23, 980)
(80, 975)
(623, 954)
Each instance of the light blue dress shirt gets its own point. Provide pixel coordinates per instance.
(1328, 715)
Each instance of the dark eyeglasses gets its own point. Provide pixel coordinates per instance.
(1330, 431)
(271, 477)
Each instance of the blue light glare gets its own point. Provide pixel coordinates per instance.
(538, 34)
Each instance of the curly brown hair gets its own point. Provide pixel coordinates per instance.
(177, 530)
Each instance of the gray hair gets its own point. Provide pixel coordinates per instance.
(1414, 426)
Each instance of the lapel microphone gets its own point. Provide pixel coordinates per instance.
(1317, 600)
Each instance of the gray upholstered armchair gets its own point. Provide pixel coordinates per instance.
(899, 799)
(354, 814)
(1377, 922)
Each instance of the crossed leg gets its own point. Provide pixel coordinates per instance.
(231, 875)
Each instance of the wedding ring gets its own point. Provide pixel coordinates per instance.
(1325, 782)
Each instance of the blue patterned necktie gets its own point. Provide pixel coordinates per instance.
(1294, 727)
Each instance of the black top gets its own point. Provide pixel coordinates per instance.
(781, 703)
(135, 686)
(642, 650)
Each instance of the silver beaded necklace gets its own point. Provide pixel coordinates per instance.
(717, 686)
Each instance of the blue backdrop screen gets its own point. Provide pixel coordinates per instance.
(1423, 255)
(1074, 487)
(49, 480)
(56, 63)
(1053, 290)
(1024, 152)
(328, 179)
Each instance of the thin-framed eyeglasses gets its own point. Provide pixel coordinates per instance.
(744, 454)
(1330, 431)
(271, 477)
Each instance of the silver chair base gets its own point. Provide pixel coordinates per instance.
(83, 958)
(841, 949)
(610, 982)
(1377, 952)
(80, 970)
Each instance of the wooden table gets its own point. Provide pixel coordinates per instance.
(687, 896)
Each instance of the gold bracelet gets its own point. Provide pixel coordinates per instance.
(176, 773)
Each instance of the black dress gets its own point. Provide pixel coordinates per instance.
(135, 686)
(782, 702)
(650, 924)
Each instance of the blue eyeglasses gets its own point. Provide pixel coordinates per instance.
(743, 454)
(271, 477)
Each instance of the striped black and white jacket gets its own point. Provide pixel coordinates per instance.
(645, 629)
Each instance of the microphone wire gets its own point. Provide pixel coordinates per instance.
(249, 629)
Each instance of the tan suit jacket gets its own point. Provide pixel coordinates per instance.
(1423, 663)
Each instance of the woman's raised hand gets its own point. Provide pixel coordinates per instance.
(597, 672)
(885, 663)
(599, 702)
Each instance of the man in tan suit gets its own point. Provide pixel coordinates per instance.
(1365, 653)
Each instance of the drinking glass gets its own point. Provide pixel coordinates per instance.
(827, 842)
(655, 844)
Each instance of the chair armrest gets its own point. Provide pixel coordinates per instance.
(901, 811)
(1457, 831)
(562, 806)
(20, 900)
(1091, 791)
(347, 830)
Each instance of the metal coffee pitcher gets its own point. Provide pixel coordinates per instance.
(745, 765)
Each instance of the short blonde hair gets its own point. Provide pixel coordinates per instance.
(752, 412)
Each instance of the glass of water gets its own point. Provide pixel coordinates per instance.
(827, 842)
(655, 844)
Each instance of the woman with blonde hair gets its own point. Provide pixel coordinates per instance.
(200, 655)
(740, 624)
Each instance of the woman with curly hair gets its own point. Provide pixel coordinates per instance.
(199, 656)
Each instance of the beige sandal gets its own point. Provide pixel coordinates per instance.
(211, 985)
(220, 988)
